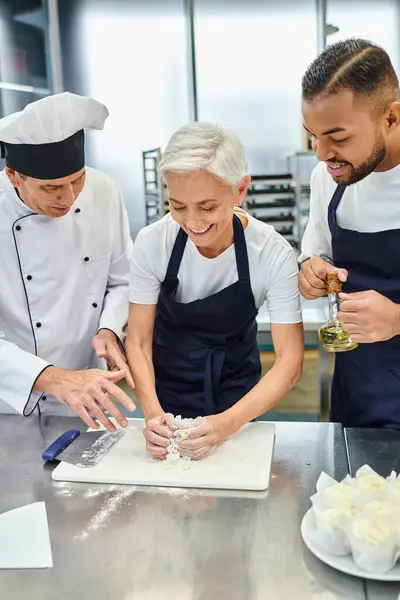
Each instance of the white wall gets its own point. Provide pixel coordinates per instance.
(250, 60)
(131, 56)
(375, 20)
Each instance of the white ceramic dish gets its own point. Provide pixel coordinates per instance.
(345, 564)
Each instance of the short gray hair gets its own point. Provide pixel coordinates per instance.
(205, 147)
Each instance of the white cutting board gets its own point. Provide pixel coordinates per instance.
(241, 463)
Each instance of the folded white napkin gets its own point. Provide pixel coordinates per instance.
(25, 539)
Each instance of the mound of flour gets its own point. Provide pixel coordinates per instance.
(184, 428)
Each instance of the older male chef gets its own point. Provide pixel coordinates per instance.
(64, 247)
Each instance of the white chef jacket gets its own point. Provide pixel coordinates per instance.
(61, 280)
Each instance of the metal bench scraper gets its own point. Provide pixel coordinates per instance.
(82, 449)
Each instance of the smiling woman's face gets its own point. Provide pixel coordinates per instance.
(203, 205)
(345, 135)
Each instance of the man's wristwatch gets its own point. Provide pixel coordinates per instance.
(327, 259)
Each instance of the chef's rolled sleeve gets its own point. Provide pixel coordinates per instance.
(19, 371)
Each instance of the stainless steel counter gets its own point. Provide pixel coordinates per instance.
(379, 448)
(127, 543)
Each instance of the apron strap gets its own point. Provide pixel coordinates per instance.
(333, 204)
(176, 254)
(242, 259)
(336, 198)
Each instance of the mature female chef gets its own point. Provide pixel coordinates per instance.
(63, 271)
(198, 277)
(351, 107)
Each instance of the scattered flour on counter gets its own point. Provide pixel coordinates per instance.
(65, 488)
(111, 505)
(181, 493)
(65, 492)
(99, 490)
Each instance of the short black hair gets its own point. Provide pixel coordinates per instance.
(356, 65)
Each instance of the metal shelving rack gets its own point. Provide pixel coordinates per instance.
(272, 199)
(153, 185)
(301, 164)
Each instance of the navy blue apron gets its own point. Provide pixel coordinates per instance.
(205, 352)
(366, 381)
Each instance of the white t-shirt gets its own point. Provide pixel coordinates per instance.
(372, 204)
(273, 268)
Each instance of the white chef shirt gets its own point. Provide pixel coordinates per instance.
(372, 204)
(273, 268)
(52, 300)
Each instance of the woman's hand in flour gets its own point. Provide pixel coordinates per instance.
(158, 433)
(205, 438)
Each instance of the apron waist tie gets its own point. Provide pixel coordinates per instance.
(212, 376)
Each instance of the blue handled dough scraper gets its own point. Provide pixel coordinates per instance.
(82, 449)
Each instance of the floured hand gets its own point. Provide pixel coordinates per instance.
(158, 433)
(205, 438)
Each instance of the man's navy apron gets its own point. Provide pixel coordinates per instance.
(205, 352)
(366, 381)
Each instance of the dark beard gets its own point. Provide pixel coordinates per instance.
(368, 166)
